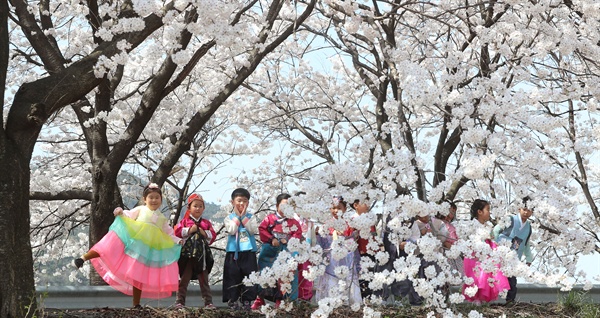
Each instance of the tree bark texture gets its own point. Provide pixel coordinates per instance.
(32, 105)
(106, 197)
(17, 288)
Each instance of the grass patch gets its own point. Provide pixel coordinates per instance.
(578, 304)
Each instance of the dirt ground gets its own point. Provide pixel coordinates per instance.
(549, 310)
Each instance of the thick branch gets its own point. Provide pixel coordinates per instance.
(151, 98)
(34, 102)
(456, 185)
(61, 196)
(50, 55)
(201, 118)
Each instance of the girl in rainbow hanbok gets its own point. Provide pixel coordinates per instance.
(138, 256)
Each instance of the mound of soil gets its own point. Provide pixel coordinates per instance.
(549, 310)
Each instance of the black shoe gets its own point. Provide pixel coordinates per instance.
(78, 262)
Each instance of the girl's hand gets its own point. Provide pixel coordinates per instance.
(193, 229)
(202, 232)
(180, 242)
(118, 211)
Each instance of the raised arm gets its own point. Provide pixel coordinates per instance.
(132, 214)
(231, 224)
(497, 229)
(250, 223)
(500, 227)
(263, 230)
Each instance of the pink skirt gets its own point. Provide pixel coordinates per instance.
(489, 284)
(125, 267)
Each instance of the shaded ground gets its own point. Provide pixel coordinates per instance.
(549, 310)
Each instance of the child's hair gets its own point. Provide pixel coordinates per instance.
(338, 199)
(524, 203)
(355, 202)
(441, 216)
(152, 187)
(282, 197)
(240, 192)
(478, 204)
(452, 205)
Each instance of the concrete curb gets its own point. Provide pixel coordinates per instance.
(85, 297)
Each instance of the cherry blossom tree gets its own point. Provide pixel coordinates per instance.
(422, 102)
(407, 103)
(36, 100)
(130, 76)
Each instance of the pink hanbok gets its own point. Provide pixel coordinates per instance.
(489, 284)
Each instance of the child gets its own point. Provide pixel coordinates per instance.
(240, 259)
(395, 247)
(196, 259)
(328, 284)
(138, 256)
(363, 241)
(447, 219)
(305, 286)
(487, 284)
(275, 231)
(518, 234)
(456, 264)
(422, 225)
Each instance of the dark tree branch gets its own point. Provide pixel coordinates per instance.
(49, 53)
(61, 196)
(256, 56)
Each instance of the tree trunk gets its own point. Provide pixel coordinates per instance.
(17, 287)
(106, 197)
(33, 104)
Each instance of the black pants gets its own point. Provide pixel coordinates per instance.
(512, 293)
(234, 272)
(365, 291)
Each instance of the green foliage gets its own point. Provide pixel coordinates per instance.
(35, 308)
(578, 304)
(210, 210)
